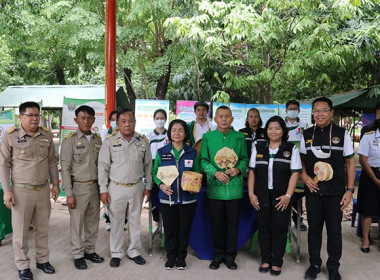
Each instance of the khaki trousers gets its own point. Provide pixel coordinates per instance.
(84, 216)
(121, 199)
(30, 207)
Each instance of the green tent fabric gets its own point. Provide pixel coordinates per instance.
(5, 219)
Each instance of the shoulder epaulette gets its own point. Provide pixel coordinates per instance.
(45, 128)
(97, 135)
(71, 134)
(13, 128)
(142, 136)
(369, 132)
(110, 135)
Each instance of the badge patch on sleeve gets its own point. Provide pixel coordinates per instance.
(189, 163)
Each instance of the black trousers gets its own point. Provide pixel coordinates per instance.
(224, 216)
(320, 210)
(177, 220)
(273, 229)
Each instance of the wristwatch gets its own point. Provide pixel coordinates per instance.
(350, 189)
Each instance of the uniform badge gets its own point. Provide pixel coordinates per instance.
(97, 146)
(23, 151)
(309, 141)
(79, 143)
(335, 140)
(116, 141)
(21, 140)
(259, 156)
(375, 143)
(286, 154)
(44, 140)
(189, 163)
(262, 135)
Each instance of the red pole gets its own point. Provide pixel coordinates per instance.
(110, 58)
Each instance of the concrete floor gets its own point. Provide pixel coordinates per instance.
(354, 264)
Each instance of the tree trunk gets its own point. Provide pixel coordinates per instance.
(60, 75)
(162, 84)
(128, 85)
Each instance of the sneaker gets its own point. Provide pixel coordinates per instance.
(169, 264)
(181, 264)
(108, 226)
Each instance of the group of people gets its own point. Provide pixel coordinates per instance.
(121, 170)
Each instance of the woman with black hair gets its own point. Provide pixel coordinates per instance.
(274, 169)
(253, 131)
(177, 205)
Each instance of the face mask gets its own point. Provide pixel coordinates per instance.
(292, 114)
(113, 125)
(320, 153)
(159, 123)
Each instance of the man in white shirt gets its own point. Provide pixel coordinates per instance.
(201, 124)
(295, 126)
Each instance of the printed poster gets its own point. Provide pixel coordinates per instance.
(185, 110)
(144, 114)
(7, 120)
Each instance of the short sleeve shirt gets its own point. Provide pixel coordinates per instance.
(370, 147)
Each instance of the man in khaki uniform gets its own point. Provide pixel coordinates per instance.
(79, 159)
(27, 154)
(124, 159)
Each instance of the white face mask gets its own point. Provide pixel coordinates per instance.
(113, 125)
(159, 123)
(320, 153)
(292, 114)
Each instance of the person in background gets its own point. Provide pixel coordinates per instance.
(373, 125)
(274, 169)
(325, 200)
(369, 184)
(112, 131)
(157, 139)
(201, 124)
(27, 157)
(224, 187)
(178, 211)
(253, 131)
(79, 164)
(295, 126)
(124, 159)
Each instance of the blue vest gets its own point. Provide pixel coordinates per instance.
(184, 163)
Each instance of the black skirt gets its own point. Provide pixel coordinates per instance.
(368, 195)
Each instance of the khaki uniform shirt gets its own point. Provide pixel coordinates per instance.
(79, 159)
(29, 160)
(124, 161)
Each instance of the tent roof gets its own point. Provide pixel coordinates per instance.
(359, 100)
(51, 96)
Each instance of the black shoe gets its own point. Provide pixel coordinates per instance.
(264, 269)
(303, 227)
(275, 272)
(80, 263)
(215, 264)
(46, 267)
(231, 264)
(138, 260)
(115, 262)
(334, 275)
(181, 264)
(169, 264)
(312, 272)
(94, 257)
(25, 274)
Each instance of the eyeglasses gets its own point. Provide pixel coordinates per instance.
(31, 115)
(323, 111)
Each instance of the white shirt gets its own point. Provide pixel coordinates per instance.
(295, 129)
(202, 129)
(156, 141)
(369, 146)
(295, 162)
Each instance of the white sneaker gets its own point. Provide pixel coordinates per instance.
(108, 226)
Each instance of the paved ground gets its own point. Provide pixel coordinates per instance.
(355, 265)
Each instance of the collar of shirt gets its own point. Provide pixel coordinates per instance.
(81, 134)
(157, 133)
(377, 133)
(288, 123)
(22, 133)
(206, 123)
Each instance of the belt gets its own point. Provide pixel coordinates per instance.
(30, 187)
(124, 184)
(87, 182)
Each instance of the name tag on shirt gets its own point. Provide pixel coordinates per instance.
(81, 147)
(189, 163)
(167, 157)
